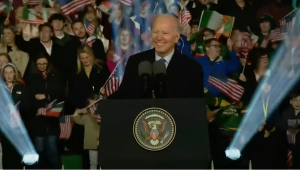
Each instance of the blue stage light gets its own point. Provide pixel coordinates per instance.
(30, 159)
(233, 153)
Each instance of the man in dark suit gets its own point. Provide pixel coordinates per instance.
(184, 76)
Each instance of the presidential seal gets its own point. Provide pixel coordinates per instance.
(154, 129)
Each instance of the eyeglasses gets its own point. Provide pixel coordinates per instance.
(42, 64)
(216, 46)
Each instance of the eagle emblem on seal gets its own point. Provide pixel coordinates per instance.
(154, 129)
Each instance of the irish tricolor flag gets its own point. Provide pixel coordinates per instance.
(221, 24)
(55, 111)
(30, 16)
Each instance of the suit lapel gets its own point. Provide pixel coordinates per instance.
(172, 65)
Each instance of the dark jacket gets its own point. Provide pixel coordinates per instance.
(34, 47)
(184, 77)
(54, 88)
(84, 86)
(63, 41)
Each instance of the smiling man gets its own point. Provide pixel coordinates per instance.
(184, 76)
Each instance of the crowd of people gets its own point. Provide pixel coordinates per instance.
(69, 58)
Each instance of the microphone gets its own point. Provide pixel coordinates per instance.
(160, 71)
(145, 73)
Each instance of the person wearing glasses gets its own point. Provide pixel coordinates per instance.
(45, 85)
(214, 65)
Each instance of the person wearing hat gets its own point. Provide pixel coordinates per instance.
(267, 23)
(58, 22)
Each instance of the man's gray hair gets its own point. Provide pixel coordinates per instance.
(167, 15)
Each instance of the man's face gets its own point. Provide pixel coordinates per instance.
(45, 34)
(295, 102)
(204, 2)
(265, 26)
(164, 35)
(213, 51)
(58, 25)
(79, 30)
(194, 29)
(9, 36)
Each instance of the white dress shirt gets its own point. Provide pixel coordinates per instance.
(167, 58)
(48, 49)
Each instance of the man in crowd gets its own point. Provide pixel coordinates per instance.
(60, 37)
(81, 37)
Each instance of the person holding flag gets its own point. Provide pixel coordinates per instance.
(91, 122)
(46, 85)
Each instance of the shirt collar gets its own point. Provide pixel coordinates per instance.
(167, 58)
(45, 46)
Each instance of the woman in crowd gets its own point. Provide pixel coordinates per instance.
(90, 77)
(124, 48)
(19, 58)
(253, 73)
(45, 86)
(17, 91)
(269, 136)
(91, 124)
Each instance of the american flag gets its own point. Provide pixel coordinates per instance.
(69, 6)
(276, 35)
(65, 127)
(228, 86)
(90, 27)
(112, 84)
(184, 17)
(126, 2)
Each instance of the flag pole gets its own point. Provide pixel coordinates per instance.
(200, 19)
(245, 64)
(113, 72)
(233, 19)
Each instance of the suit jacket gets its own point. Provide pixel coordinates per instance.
(184, 77)
(34, 47)
(19, 58)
